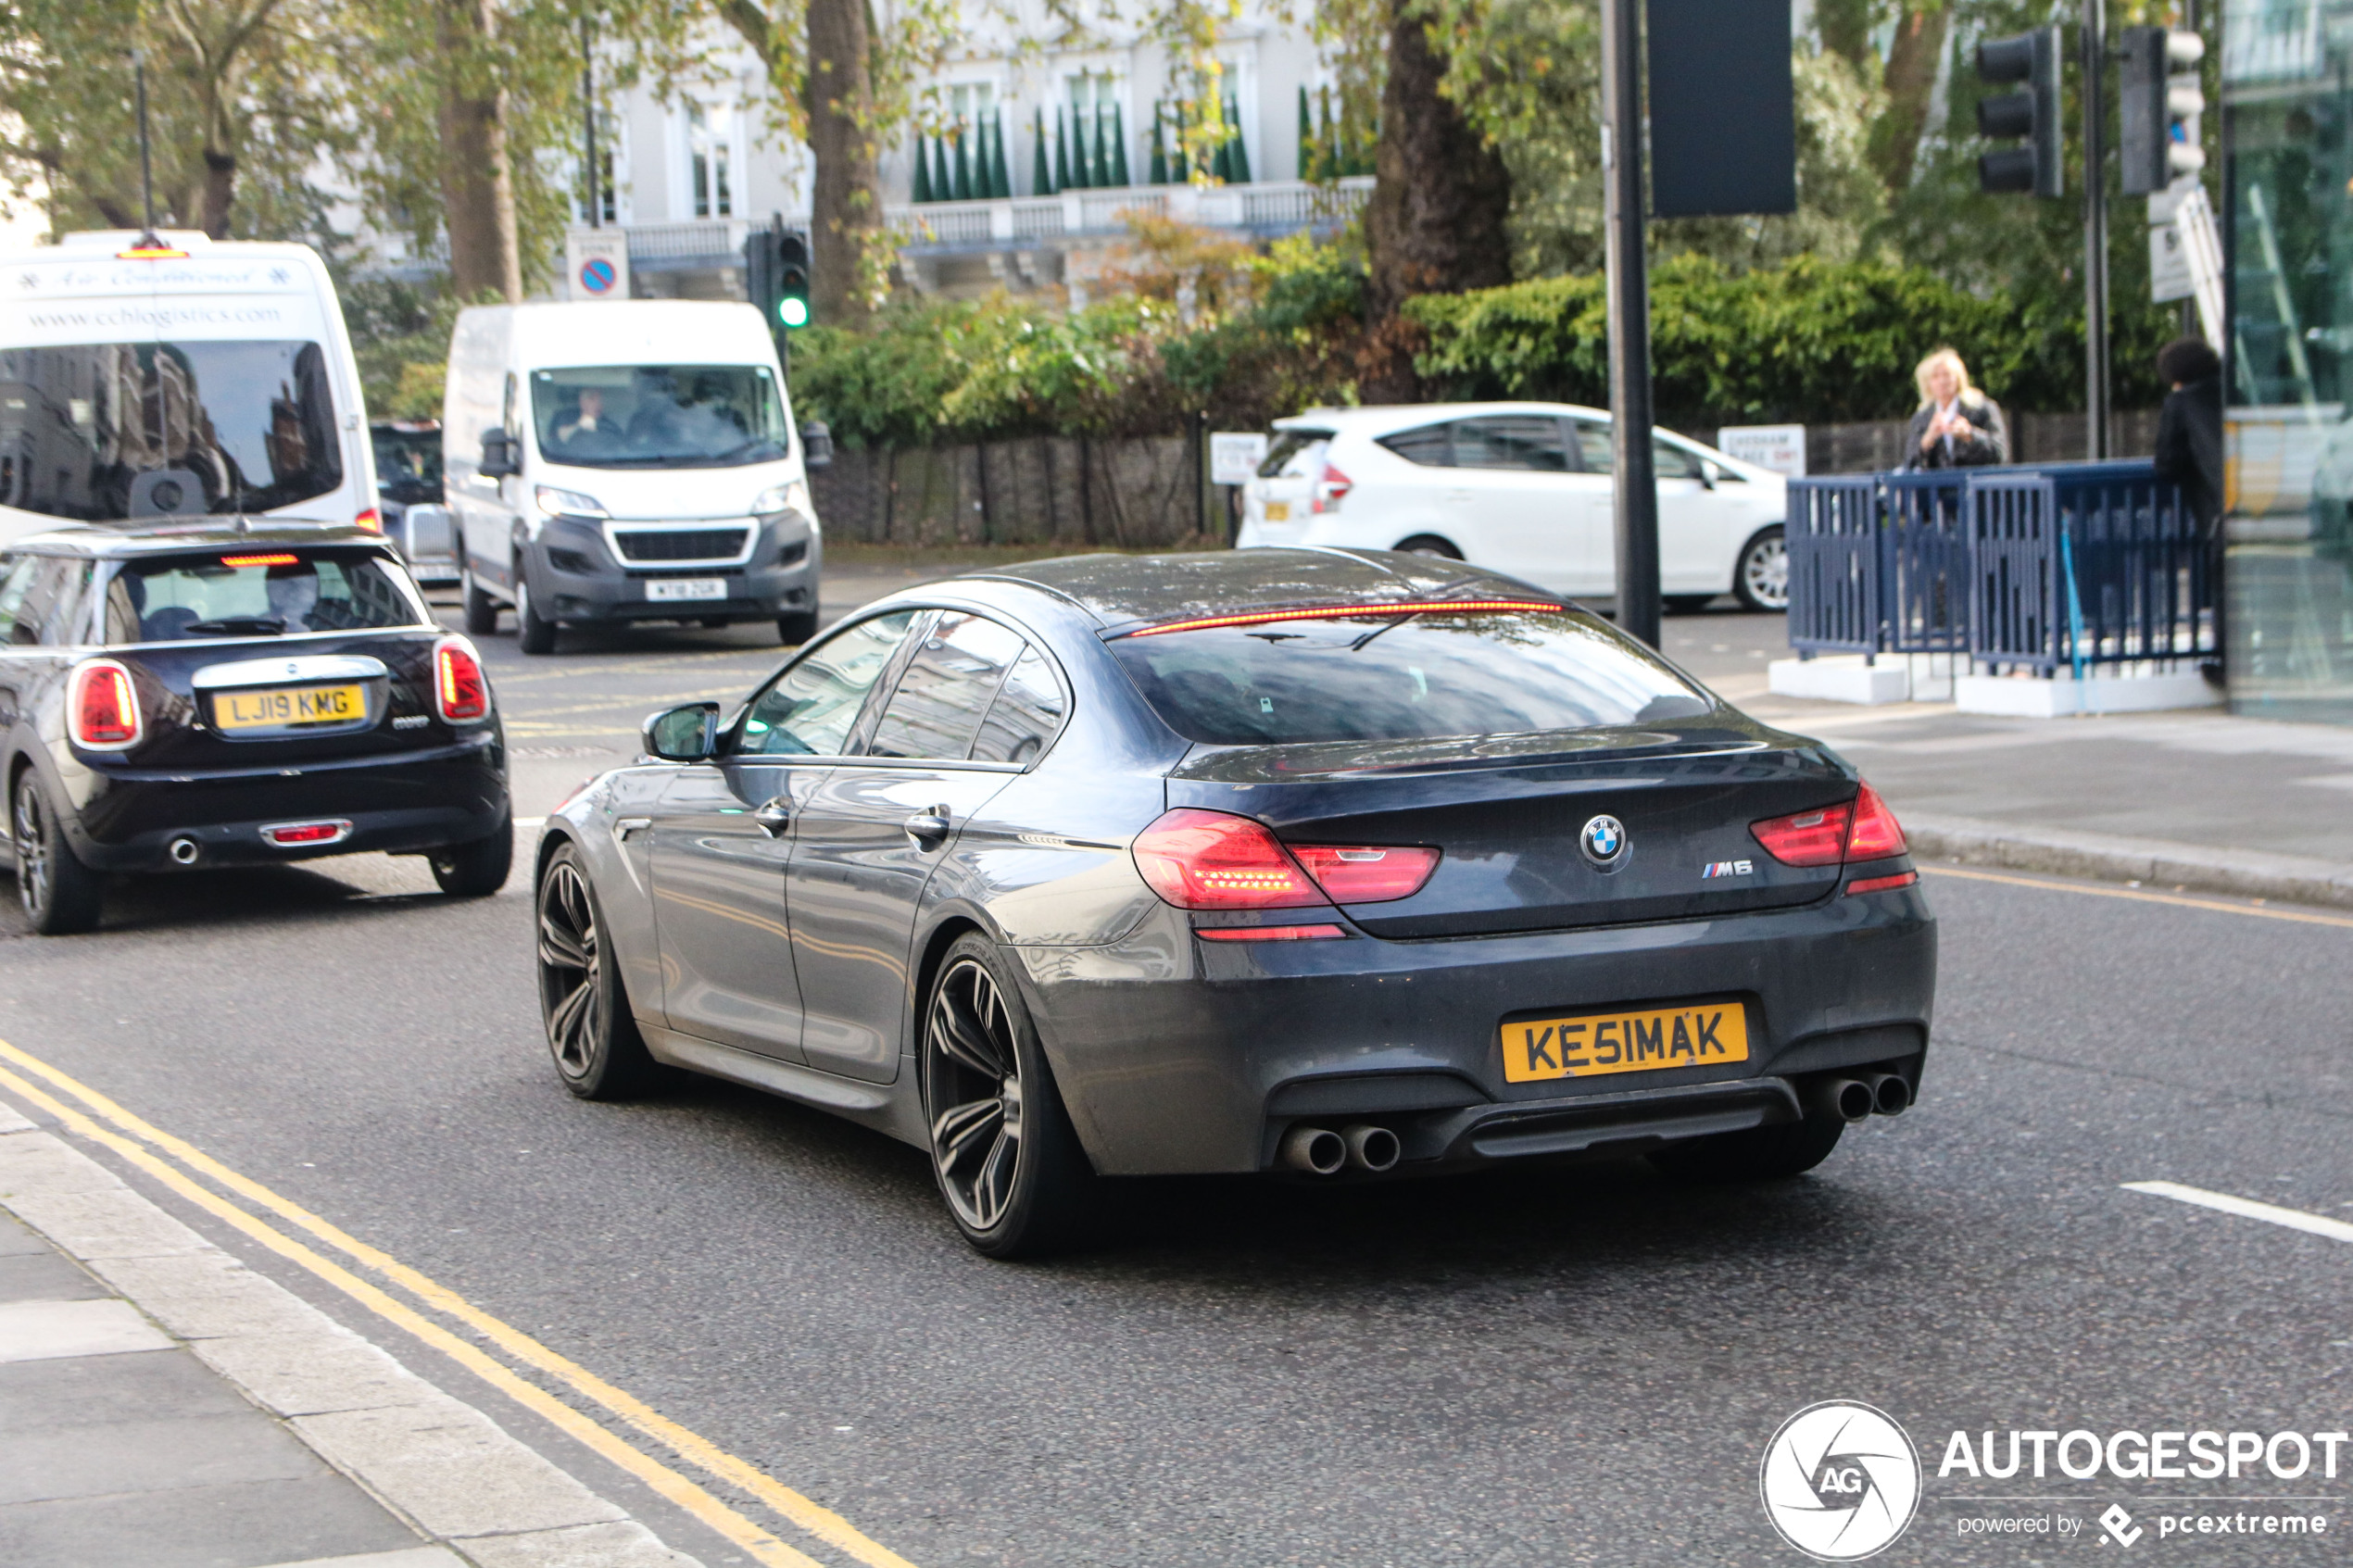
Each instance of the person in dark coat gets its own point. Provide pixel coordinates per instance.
(2189, 452)
(1957, 426)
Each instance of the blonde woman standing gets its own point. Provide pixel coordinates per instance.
(1957, 426)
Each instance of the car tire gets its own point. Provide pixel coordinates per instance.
(796, 627)
(482, 610)
(1761, 577)
(1688, 604)
(1006, 1158)
(592, 1037)
(533, 633)
(475, 869)
(1430, 545)
(1757, 1154)
(61, 896)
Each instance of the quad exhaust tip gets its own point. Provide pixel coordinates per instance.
(1372, 1148)
(1848, 1099)
(1320, 1151)
(184, 850)
(1890, 1094)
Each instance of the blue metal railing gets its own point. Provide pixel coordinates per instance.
(2062, 564)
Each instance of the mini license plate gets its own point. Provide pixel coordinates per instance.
(1278, 511)
(1587, 1044)
(290, 707)
(686, 588)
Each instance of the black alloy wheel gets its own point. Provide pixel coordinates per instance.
(1761, 580)
(598, 1053)
(1008, 1162)
(61, 896)
(475, 869)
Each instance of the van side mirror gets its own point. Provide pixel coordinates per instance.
(500, 459)
(688, 734)
(816, 444)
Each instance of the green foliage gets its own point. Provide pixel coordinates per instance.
(1809, 339)
(400, 337)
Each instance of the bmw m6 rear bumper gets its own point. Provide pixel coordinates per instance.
(1181, 1056)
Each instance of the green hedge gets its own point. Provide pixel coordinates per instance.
(1807, 341)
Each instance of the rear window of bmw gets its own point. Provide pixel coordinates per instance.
(263, 592)
(1378, 675)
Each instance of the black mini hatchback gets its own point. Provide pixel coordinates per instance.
(175, 697)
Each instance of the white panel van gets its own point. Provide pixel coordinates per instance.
(613, 462)
(194, 377)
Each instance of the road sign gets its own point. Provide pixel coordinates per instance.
(1234, 456)
(1778, 447)
(597, 263)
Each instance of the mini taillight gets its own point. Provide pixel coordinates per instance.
(370, 519)
(1215, 860)
(1331, 490)
(1366, 875)
(460, 691)
(104, 706)
(1862, 829)
(1874, 834)
(332, 831)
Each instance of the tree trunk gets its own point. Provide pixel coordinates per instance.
(1436, 222)
(845, 193)
(477, 183)
(219, 191)
(1911, 79)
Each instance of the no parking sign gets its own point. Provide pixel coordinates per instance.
(596, 263)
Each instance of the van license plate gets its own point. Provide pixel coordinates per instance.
(687, 588)
(1588, 1045)
(290, 710)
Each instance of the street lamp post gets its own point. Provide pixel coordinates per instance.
(1630, 332)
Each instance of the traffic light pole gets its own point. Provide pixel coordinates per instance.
(1629, 316)
(2095, 42)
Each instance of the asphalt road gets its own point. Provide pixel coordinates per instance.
(1531, 1366)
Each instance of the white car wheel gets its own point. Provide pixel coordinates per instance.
(1761, 580)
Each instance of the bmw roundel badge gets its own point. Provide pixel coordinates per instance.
(1604, 841)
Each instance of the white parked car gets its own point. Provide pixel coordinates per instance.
(1523, 488)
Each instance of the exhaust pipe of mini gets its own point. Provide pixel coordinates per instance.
(1372, 1148)
(1847, 1099)
(183, 851)
(1317, 1150)
(1890, 1094)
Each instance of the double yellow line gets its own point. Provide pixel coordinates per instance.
(179, 1164)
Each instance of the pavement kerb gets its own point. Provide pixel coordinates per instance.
(446, 1468)
(2243, 874)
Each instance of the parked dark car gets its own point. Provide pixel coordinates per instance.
(1319, 862)
(175, 697)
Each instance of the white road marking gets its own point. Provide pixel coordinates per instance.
(2248, 1209)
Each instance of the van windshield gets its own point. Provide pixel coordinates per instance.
(104, 431)
(659, 416)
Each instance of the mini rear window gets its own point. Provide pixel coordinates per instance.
(1431, 675)
(257, 592)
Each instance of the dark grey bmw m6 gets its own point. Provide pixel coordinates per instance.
(1312, 861)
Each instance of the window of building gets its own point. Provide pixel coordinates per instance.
(710, 161)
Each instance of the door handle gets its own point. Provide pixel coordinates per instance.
(775, 815)
(929, 829)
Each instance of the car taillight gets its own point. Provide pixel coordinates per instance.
(1366, 875)
(1874, 834)
(103, 707)
(1214, 860)
(370, 519)
(1331, 489)
(460, 691)
(1862, 829)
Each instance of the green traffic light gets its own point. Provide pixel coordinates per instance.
(793, 312)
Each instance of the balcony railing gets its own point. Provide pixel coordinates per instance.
(1272, 208)
(715, 242)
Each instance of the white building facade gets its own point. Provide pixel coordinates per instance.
(689, 174)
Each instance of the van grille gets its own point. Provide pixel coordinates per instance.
(700, 543)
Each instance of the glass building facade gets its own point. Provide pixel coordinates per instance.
(2286, 87)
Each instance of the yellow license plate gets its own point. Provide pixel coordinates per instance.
(278, 710)
(1278, 511)
(1587, 1044)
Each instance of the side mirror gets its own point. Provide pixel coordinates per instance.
(816, 444)
(683, 735)
(1707, 474)
(501, 457)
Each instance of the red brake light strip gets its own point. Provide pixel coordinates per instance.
(1341, 613)
(260, 560)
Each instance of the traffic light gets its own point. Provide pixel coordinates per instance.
(2162, 103)
(776, 274)
(2033, 113)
